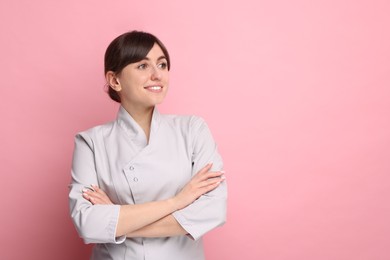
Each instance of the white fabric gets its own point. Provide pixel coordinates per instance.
(117, 157)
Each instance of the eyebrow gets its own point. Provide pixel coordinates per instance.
(159, 58)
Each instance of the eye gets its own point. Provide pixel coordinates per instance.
(163, 65)
(142, 66)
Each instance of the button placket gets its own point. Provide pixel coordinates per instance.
(131, 168)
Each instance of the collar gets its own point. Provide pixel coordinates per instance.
(133, 129)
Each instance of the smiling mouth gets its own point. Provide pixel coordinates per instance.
(155, 89)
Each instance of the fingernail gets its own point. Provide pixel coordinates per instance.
(223, 171)
(84, 190)
(223, 177)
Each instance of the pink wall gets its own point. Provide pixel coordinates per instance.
(297, 94)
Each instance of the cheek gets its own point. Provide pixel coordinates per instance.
(140, 79)
(136, 84)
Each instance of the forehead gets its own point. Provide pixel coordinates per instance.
(155, 52)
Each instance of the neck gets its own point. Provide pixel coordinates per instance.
(143, 117)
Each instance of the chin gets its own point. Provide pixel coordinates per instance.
(158, 101)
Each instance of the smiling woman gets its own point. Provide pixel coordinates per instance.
(146, 186)
(142, 85)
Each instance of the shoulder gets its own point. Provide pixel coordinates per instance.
(93, 133)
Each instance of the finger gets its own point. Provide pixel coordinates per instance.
(202, 171)
(208, 188)
(92, 200)
(91, 194)
(214, 174)
(212, 181)
(209, 175)
(95, 187)
(85, 196)
(99, 191)
(88, 188)
(95, 195)
(88, 192)
(96, 200)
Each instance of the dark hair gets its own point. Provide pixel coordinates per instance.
(128, 48)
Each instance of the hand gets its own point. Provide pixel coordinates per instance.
(203, 182)
(96, 196)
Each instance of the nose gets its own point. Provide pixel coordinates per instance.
(156, 73)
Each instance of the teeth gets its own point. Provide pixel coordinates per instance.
(155, 87)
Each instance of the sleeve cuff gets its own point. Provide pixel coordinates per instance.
(120, 240)
(114, 222)
(187, 226)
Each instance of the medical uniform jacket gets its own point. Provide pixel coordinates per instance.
(117, 157)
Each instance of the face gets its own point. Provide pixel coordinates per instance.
(143, 84)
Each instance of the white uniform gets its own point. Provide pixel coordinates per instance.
(117, 157)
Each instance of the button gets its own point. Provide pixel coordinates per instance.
(131, 168)
(135, 179)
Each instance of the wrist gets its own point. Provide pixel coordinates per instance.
(174, 203)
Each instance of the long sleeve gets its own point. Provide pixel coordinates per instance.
(94, 223)
(116, 157)
(209, 211)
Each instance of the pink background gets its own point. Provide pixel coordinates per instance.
(297, 94)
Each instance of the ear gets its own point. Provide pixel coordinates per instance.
(113, 81)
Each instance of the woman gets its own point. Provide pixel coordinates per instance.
(159, 180)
